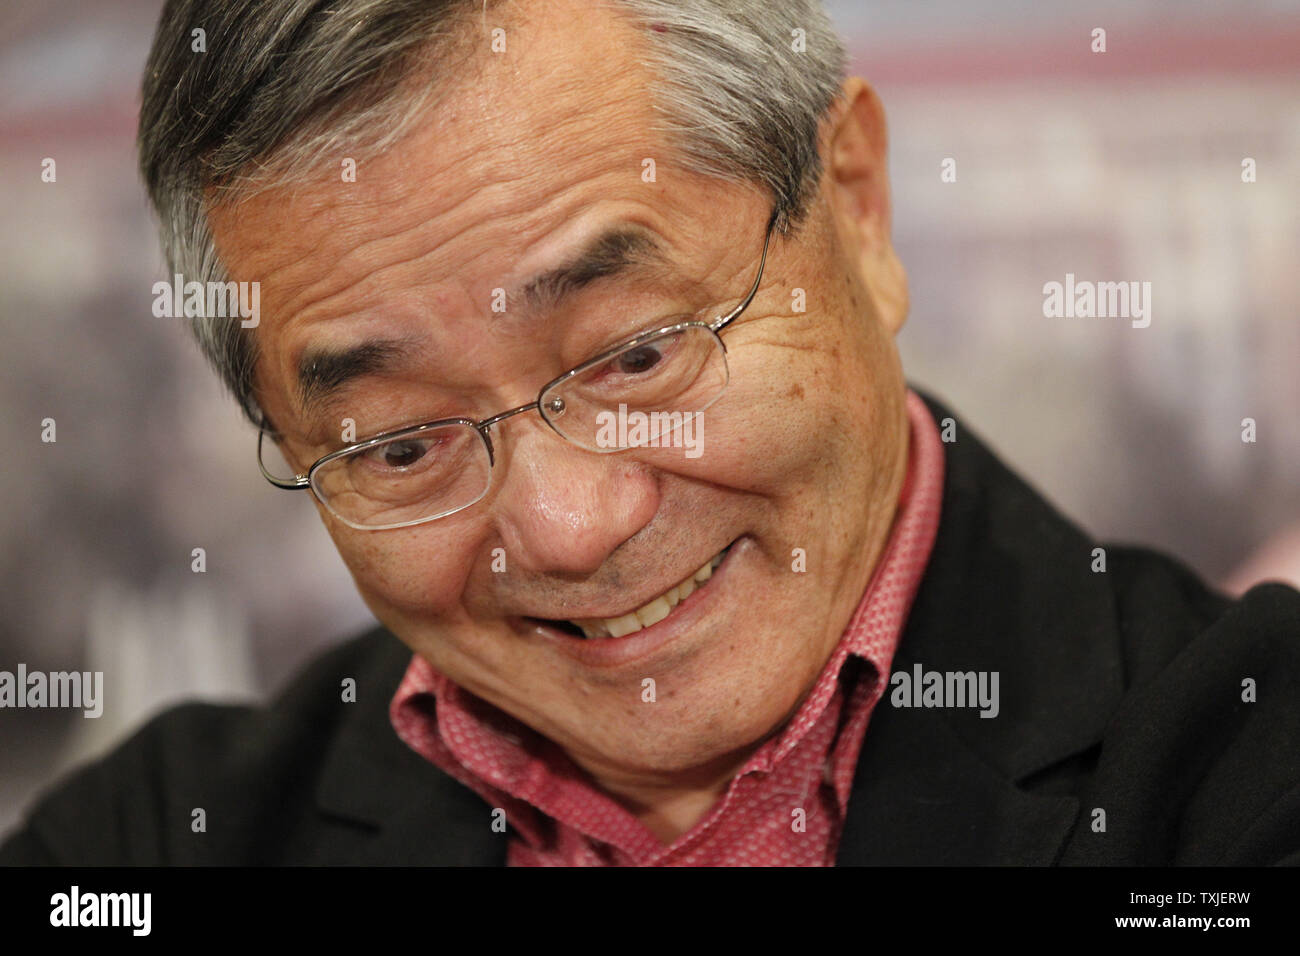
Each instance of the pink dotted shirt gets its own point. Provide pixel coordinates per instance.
(785, 807)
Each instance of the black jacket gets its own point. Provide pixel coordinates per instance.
(1120, 692)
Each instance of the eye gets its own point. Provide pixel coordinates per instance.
(639, 360)
(399, 454)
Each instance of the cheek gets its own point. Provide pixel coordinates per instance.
(782, 423)
(414, 571)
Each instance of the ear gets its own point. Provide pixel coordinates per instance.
(857, 178)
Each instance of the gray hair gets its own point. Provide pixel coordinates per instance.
(742, 88)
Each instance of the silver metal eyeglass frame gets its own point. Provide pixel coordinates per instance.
(482, 426)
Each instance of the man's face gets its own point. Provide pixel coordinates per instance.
(514, 172)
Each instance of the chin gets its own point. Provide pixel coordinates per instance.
(675, 742)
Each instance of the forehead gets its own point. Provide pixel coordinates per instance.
(559, 119)
(522, 156)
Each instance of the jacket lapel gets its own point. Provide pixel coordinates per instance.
(386, 805)
(1009, 588)
(923, 797)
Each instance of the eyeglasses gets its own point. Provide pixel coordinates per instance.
(640, 393)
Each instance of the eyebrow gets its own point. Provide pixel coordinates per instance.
(324, 372)
(617, 251)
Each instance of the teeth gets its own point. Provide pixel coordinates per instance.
(653, 612)
(619, 626)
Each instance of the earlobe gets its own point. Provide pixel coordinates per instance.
(887, 283)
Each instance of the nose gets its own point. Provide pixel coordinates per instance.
(561, 509)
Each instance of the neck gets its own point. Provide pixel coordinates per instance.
(670, 809)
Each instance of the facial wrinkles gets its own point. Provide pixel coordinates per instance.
(452, 225)
(366, 259)
(520, 134)
(409, 301)
(364, 236)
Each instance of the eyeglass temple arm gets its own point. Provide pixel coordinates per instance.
(289, 484)
(722, 321)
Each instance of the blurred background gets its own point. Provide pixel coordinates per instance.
(1119, 166)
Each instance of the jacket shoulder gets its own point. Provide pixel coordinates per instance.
(1202, 750)
(1131, 687)
(240, 770)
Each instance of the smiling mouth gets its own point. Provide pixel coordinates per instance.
(647, 615)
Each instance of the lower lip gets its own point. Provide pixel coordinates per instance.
(606, 652)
